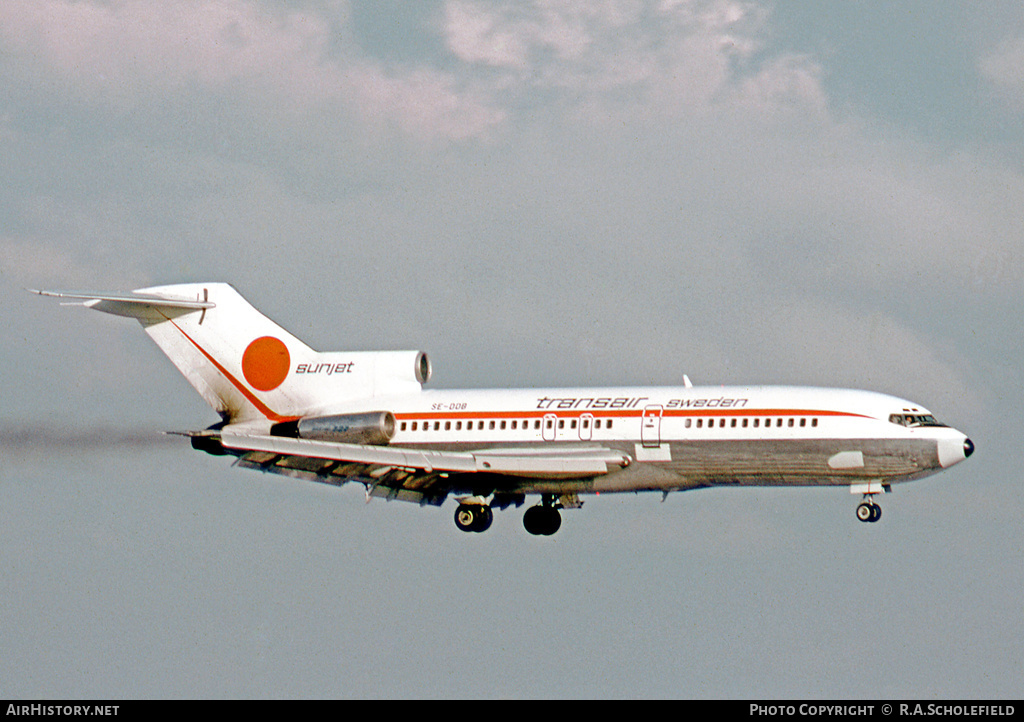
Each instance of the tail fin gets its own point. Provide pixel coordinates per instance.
(246, 366)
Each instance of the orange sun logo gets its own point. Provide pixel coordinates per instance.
(265, 363)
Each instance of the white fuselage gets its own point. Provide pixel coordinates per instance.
(688, 437)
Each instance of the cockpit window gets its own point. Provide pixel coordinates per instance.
(914, 420)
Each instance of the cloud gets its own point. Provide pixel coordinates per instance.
(128, 45)
(423, 103)
(132, 53)
(477, 36)
(791, 82)
(1004, 68)
(652, 57)
(664, 59)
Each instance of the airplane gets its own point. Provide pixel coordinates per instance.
(365, 417)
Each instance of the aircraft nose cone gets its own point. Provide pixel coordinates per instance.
(953, 447)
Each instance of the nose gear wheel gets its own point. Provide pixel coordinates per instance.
(868, 510)
(473, 517)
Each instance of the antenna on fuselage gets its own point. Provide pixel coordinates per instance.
(686, 382)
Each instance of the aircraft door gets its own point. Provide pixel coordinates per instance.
(586, 427)
(547, 428)
(650, 426)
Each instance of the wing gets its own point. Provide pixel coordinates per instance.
(418, 475)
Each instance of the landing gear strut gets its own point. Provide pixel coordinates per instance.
(543, 519)
(473, 517)
(868, 510)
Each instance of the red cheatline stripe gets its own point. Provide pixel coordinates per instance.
(615, 413)
(260, 406)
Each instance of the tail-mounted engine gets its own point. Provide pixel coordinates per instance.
(375, 427)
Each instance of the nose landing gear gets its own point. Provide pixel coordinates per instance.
(868, 510)
(473, 517)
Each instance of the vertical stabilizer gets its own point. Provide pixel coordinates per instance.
(246, 366)
(233, 355)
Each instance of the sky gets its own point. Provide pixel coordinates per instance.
(536, 193)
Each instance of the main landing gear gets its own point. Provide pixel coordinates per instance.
(475, 515)
(868, 510)
(543, 519)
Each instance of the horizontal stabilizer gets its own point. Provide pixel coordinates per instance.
(133, 306)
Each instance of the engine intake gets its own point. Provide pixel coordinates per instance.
(375, 427)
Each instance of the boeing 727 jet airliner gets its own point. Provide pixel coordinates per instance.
(364, 417)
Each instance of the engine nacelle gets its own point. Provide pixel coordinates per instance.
(325, 380)
(395, 366)
(423, 368)
(374, 427)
